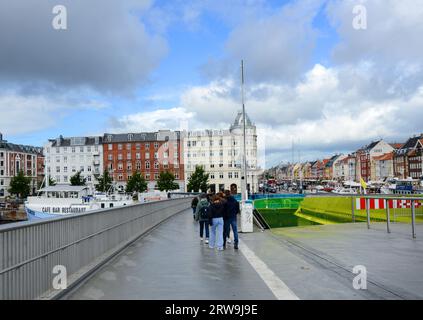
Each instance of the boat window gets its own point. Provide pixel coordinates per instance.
(111, 205)
(102, 205)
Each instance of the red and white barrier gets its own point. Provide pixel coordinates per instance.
(380, 204)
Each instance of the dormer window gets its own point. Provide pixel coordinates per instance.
(130, 137)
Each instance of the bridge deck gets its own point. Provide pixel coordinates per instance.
(306, 263)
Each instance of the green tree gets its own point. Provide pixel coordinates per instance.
(198, 180)
(104, 182)
(136, 183)
(167, 182)
(20, 185)
(77, 179)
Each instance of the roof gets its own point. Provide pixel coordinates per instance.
(239, 120)
(161, 135)
(384, 157)
(64, 188)
(396, 145)
(75, 141)
(20, 148)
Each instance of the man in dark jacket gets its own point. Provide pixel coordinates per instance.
(230, 218)
(194, 203)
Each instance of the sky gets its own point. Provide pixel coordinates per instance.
(312, 78)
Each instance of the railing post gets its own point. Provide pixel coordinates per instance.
(352, 209)
(388, 216)
(413, 218)
(368, 212)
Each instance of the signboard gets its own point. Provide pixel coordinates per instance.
(247, 216)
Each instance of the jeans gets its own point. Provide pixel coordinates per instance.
(228, 224)
(193, 212)
(204, 225)
(216, 235)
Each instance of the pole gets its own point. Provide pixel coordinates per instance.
(246, 207)
(352, 209)
(368, 212)
(388, 216)
(413, 218)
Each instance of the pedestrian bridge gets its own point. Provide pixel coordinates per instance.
(153, 251)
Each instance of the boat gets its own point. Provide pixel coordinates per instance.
(61, 200)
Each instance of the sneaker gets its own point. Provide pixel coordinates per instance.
(201, 239)
(229, 240)
(236, 247)
(207, 240)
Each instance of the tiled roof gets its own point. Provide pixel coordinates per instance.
(386, 156)
(142, 136)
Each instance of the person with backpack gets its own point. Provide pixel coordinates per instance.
(202, 215)
(230, 219)
(194, 203)
(217, 211)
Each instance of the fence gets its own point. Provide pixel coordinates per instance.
(401, 207)
(30, 250)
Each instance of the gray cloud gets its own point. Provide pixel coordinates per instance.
(105, 48)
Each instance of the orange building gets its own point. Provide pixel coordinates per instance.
(149, 153)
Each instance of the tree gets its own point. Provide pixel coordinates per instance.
(77, 180)
(167, 182)
(104, 182)
(198, 180)
(20, 185)
(136, 183)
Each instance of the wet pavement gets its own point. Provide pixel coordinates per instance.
(313, 262)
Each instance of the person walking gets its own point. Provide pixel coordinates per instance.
(217, 210)
(202, 215)
(194, 203)
(231, 211)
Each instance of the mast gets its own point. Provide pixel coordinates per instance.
(244, 195)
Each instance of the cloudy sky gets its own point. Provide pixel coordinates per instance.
(141, 65)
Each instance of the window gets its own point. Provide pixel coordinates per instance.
(65, 149)
(147, 164)
(138, 146)
(88, 149)
(156, 155)
(165, 155)
(236, 174)
(89, 168)
(128, 156)
(156, 176)
(211, 175)
(128, 146)
(138, 165)
(165, 164)
(147, 155)
(130, 137)
(73, 149)
(110, 146)
(120, 176)
(147, 176)
(156, 145)
(147, 145)
(230, 175)
(120, 166)
(110, 157)
(65, 169)
(156, 165)
(120, 146)
(65, 159)
(81, 149)
(57, 150)
(82, 168)
(89, 178)
(176, 175)
(57, 169)
(221, 175)
(138, 156)
(57, 159)
(120, 157)
(73, 169)
(129, 166)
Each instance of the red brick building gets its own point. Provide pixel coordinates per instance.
(149, 153)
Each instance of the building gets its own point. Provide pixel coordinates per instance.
(415, 160)
(402, 156)
(384, 166)
(64, 157)
(149, 153)
(339, 168)
(220, 153)
(15, 158)
(365, 159)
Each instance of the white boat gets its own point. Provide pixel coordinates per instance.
(60, 200)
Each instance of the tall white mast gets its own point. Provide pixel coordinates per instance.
(244, 194)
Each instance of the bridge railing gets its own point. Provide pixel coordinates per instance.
(33, 255)
(389, 203)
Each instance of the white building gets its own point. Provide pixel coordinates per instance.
(64, 157)
(220, 153)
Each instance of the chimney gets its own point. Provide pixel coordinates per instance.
(1, 136)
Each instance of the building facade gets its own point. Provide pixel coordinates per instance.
(365, 159)
(15, 158)
(220, 153)
(384, 166)
(149, 153)
(64, 157)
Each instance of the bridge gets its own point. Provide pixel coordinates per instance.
(153, 251)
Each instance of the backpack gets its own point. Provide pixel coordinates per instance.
(204, 213)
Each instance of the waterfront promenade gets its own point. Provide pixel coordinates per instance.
(313, 262)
